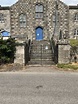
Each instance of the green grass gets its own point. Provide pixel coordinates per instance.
(73, 42)
(68, 66)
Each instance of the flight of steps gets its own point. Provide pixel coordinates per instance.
(41, 53)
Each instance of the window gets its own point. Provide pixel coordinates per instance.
(76, 32)
(56, 5)
(22, 20)
(76, 17)
(39, 11)
(55, 18)
(1, 18)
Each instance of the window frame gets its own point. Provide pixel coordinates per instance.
(22, 20)
(2, 20)
(76, 17)
(75, 32)
(54, 18)
(39, 13)
(38, 7)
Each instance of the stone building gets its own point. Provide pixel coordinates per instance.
(40, 20)
(5, 20)
(73, 22)
(26, 17)
(30, 16)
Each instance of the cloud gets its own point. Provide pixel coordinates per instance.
(70, 2)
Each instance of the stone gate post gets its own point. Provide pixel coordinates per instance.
(63, 52)
(19, 56)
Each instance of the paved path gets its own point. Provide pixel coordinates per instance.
(16, 68)
(40, 69)
(39, 88)
(29, 68)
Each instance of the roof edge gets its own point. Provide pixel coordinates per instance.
(73, 6)
(4, 7)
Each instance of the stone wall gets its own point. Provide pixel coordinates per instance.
(28, 7)
(63, 53)
(63, 17)
(19, 56)
(72, 23)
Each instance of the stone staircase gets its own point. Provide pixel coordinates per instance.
(41, 53)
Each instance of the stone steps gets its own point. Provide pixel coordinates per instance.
(41, 62)
(41, 53)
(41, 42)
(40, 48)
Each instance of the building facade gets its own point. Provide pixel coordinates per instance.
(39, 19)
(73, 22)
(29, 17)
(5, 20)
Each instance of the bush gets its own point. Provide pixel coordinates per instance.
(7, 50)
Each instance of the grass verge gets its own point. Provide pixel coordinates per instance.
(73, 42)
(68, 66)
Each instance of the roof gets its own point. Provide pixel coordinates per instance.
(73, 7)
(4, 8)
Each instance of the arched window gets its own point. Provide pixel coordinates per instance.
(22, 19)
(1, 17)
(76, 17)
(75, 32)
(39, 11)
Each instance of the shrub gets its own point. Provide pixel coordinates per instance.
(7, 50)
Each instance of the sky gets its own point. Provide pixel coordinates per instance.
(10, 2)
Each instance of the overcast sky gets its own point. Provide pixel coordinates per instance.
(10, 2)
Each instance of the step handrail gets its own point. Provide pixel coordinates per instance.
(52, 47)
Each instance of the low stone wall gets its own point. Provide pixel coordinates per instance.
(19, 56)
(63, 53)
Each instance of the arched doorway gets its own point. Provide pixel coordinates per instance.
(39, 33)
